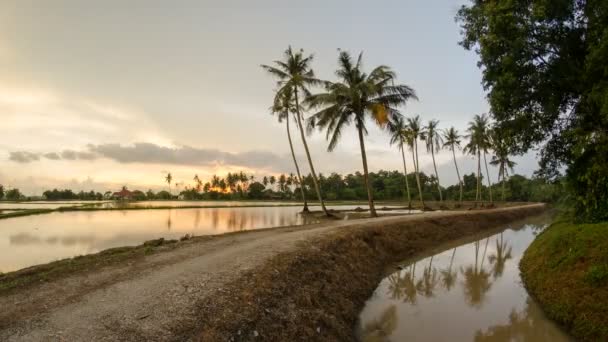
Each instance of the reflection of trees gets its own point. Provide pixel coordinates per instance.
(426, 285)
(449, 276)
(403, 286)
(499, 259)
(528, 325)
(476, 279)
(169, 220)
(381, 328)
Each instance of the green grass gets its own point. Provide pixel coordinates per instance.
(566, 270)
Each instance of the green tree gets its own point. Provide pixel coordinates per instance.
(295, 75)
(284, 104)
(544, 66)
(14, 195)
(431, 135)
(397, 129)
(452, 141)
(355, 97)
(1, 192)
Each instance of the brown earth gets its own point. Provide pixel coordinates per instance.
(292, 283)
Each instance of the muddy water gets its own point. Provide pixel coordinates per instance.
(37, 239)
(470, 291)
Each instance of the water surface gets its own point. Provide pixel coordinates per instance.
(471, 292)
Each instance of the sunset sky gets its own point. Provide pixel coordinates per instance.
(95, 95)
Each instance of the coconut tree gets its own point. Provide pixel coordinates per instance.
(169, 179)
(501, 159)
(412, 134)
(397, 129)
(284, 104)
(432, 137)
(295, 75)
(355, 97)
(452, 141)
(449, 276)
(478, 142)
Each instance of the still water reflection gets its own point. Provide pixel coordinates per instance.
(31, 240)
(470, 292)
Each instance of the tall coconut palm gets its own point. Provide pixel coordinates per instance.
(487, 144)
(501, 159)
(355, 97)
(397, 129)
(412, 134)
(452, 141)
(432, 136)
(169, 179)
(284, 104)
(478, 142)
(296, 76)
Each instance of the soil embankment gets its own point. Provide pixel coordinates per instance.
(293, 283)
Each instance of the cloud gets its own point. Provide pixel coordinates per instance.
(185, 155)
(149, 153)
(77, 155)
(51, 156)
(23, 157)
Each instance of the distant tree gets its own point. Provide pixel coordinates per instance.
(256, 190)
(452, 141)
(397, 128)
(414, 129)
(150, 194)
(1, 192)
(168, 179)
(501, 159)
(431, 135)
(14, 195)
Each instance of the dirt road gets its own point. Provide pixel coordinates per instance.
(152, 298)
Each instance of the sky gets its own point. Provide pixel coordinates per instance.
(96, 95)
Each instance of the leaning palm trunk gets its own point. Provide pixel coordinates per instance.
(295, 162)
(312, 168)
(407, 185)
(457, 173)
(488, 175)
(372, 208)
(416, 167)
(436, 174)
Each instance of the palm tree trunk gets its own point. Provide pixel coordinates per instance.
(457, 173)
(478, 192)
(488, 175)
(436, 174)
(295, 162)
(407, 185)
(370, 197)
(312, 168)
(417, 168)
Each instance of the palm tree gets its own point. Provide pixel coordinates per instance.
(168, 179)
(412, 134)
(501, 158)
(397, 129)
(499, 259)
(265, 181)
(478, 142)
(432, 137)
(354, 97)
(283, 105)
(452, 141)
(295, 75)
(487, 144)
(272, 180)
(448, 276)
